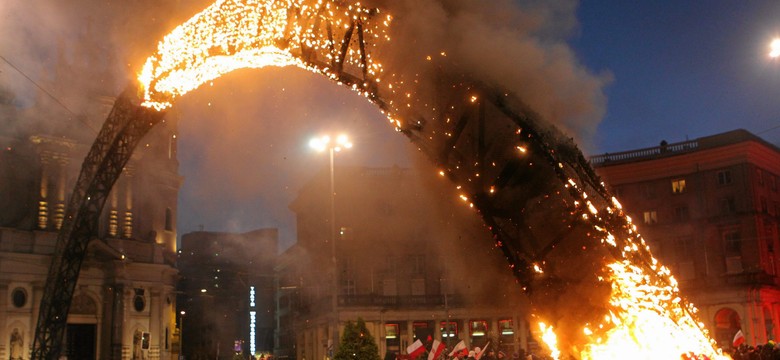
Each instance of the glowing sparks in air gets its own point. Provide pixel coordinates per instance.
(646, 317)
(236, 34)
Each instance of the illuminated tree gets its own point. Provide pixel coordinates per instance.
(357, 343)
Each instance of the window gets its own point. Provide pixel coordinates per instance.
(478, 328)
(732, 242)
(734, 264)
(168, 219)
(681, 213)
(391, 265)
(448, 329)
(728, 206)
(724, 177)
(391, 331)
(139, 302)
(760, 176)
(389, 287)
(422, 329)
(418, 287)
(683, 247)
(764, 205)
(647, 190)
(650, 217)
(19, 297)
(348, 287)
(505, 327)
(773, 183)
(418, 264)
(678, 186)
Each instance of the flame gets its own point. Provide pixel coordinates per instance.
(549, 338)
(642, 322)
(236, 34)
(646, 317)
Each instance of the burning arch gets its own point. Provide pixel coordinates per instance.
(564, 237)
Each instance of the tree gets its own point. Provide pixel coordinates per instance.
(357, 343)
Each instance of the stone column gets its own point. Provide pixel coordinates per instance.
(155, 323)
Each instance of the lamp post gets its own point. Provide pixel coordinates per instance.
(333, 146)
(181, 334)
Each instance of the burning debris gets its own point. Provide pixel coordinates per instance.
(596, 289)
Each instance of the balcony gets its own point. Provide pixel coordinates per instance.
(409, 301)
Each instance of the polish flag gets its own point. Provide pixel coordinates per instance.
(436, 350)
(458, 347)
(739, 338)
(482, 352)
(415, 350)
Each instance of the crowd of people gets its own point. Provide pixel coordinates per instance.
(768, 351)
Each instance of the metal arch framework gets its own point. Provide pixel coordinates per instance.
(506, 162)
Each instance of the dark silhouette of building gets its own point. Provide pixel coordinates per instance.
(709, 208)
(226, 293)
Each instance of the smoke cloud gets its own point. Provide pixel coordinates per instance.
(242, 143)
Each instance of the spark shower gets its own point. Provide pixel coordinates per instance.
(593, 283)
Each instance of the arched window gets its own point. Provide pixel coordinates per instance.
(727, 323)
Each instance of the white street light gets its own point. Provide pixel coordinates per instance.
(333, 146)
(774, 48)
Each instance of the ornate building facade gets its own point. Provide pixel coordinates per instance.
(123, 306)
(710, 209)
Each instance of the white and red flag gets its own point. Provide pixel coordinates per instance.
(436, 350)
(481, 352)
(458, 347)
(739, 338)
(415, 350)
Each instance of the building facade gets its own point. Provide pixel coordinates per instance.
(123, 305)
(709, 208)
(408, 260)
(226, 293)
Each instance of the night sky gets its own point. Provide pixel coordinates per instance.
(682, 69)
(675, 70)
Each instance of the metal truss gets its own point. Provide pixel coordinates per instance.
(125, 126)
(523, 176)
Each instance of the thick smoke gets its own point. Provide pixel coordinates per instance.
(247, 133)
(515, 45)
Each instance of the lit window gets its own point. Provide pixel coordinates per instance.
(505, 327)
(678, 186)
(391, 331)
(650, 217)
(448, 329)
(478, 328)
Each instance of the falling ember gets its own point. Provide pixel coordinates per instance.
(634, 308)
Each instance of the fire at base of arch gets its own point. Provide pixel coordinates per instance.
(646, 320)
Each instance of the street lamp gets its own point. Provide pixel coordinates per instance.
(181, 334)
(333, 146)
(774, 48)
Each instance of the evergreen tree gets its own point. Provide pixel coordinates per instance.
(357, 343)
